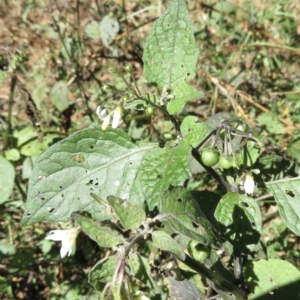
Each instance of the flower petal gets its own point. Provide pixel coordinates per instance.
(117, 117)
(56, 235)
(106, 122)
(249, 184)
(102, 113)
(67, 238)
(65, 249)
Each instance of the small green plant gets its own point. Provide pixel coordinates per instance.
(132, 197)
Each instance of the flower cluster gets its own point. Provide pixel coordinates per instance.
(115, 115)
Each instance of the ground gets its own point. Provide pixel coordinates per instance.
(248, 66)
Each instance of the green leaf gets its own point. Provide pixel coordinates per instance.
(162, 167)
(40, 91)
(59, 95)
(272, 279)
(103, 272)
(27, 167)
(25, 135)
(67, 49)
(240, 221)
(141, 270)
(216, 119)
(182, 93)
(181, 211)
(226, 7)
(208, 201)
(138, 104)
(170, 52)
(89, 161)
(131, 216)
(103, 235)
(163, 241)
(109, 28)
(248, 154)
(35, 147)
(3, 76)
(193, 132)
(276, 167)
(271, 122)
(294, 149)
(12, 154)
(92, 30)
(7, 179)
(287, 193)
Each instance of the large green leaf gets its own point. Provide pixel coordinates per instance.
(248, 154)
(141, 269)
(276, 167)
(131, 216)
(271, 122)
(109, 27)
(103, 272)
(182, 93)
(59, 95)
(162, 167)
(92, 30)
(170, 52)
(182, 212)
(272, 279)
(104, 236)
(287, 194)
(7, 179)
(89, 161)
(163, 241)
(240, 221)
(193, 132)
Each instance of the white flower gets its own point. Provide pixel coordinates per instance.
(106, 118)
(106, 122)
(67, 238)
(249, 184)
(117, 117)
(102, 113)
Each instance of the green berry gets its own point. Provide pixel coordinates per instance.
(150, 110)
(225, 162)
(210, 157)
(198, 251)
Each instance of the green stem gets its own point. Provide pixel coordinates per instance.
(238, 267)
(10, 103)
(264, 44)
(218, 280)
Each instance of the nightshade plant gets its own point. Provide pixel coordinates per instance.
(166, 238)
